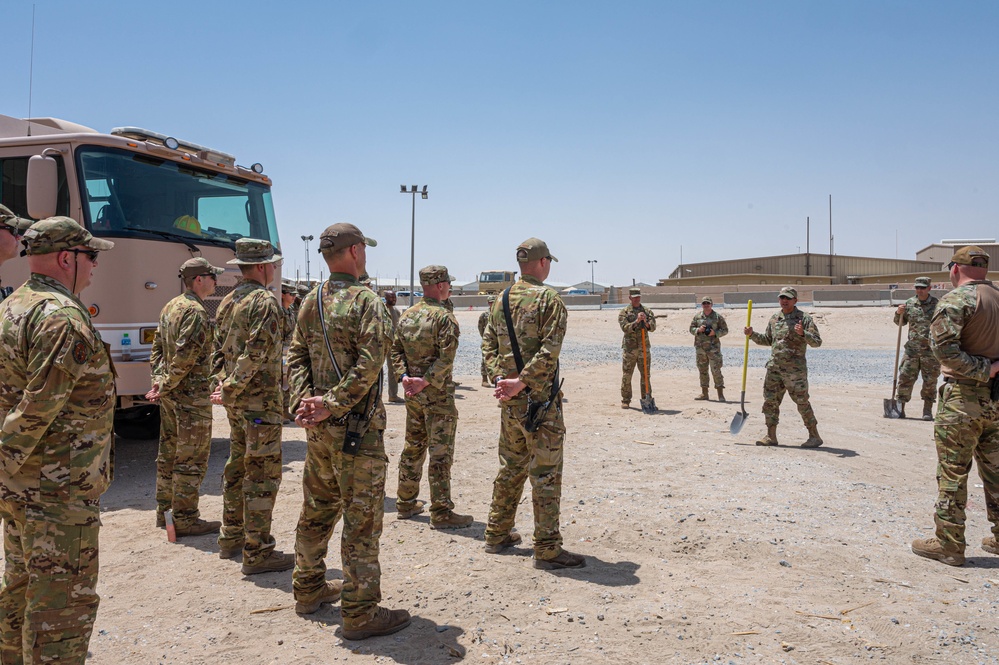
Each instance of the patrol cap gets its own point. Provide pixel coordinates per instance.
(289, 288)
(434, 275)
(971, 256)
(56, 234)
(343, 234)
(251, 251)
(491, 299)
(923, 282)
(10, 220)
(634, 291)
(197, 267)
(707, 300)
(788, 291)
(533, 249)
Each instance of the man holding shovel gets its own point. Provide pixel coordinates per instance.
(637, 321)
(917, 312)
(789, 334)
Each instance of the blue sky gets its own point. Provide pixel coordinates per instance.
(618, 131)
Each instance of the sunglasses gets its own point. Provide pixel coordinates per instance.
(14, 232)
(89, 253)
(209, 274)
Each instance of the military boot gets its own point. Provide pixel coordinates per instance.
(814, 440)
(901, 409)
(382, 622)
(513, 538)
(704, 394)
(771, 437)
(328, 593)
(990, 545)
(406, 513)
(199, 528)
(450, 520)
(274, 562)
(565, 559)
(721, 394)
(931, 548)
(927, 409)
(227, 552)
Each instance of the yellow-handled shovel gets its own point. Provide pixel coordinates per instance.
(740, 418)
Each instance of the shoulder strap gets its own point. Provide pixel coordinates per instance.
(514, 346)
(326, 336)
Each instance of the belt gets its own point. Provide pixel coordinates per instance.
(968, 382)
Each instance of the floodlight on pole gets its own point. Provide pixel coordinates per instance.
(412, 243)
(592, 285)
(306, 240)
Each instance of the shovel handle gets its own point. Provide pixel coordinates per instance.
(745, 355)
(898, 347)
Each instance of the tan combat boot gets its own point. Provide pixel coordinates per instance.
(931, 548)
(274, 562)
(512, 538)
(770, 439)
(328, 593)
(451, 520)
(990, 545)
(625, 405)
(233, 551)
(199, 528)
(565, 559)
(406, 513)
(382, 622)
(814, 440)
(704, 394)
(721, 394)
(927, 409)
(901, 409)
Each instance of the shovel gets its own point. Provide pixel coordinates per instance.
(892, 409)
(740, 418)
(648, 402)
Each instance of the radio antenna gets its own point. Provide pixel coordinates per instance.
(31, 66)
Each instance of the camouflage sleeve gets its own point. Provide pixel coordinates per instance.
(156, 358)
(811, 331)
(945, 335)
(651, 319)
(60, 346)
(192, 335)
(373, 341)
(540, 370)
(722, 328)
(490, 344)
(218, 358)
(299, 361)
(263, 342)
(903, 316)
(622, 320)
(397, 356)
(287, 325)
(764, 338)
(483, 318)
(694, 324)
(447, 347)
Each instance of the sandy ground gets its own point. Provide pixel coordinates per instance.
(700, 546)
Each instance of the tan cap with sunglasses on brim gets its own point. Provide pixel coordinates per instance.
(533, 249)
(57, 234)
(971, 256)
(199, 266)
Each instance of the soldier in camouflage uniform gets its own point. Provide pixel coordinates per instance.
(289, 314)
(246, 368)
(963, 338)
(181, 366)
(392, 377)
(539, 319)
(12, 228)
(789, 333)
(633, 320)
(708, 327)
(426, 341)
(57, 401)
(483, 321)
(918, 357)
(353, 328)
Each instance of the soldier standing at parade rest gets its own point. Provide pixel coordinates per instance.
(181, 366)
(12, 228)
(393, 378)
(483, 321)
(345, 462)
(539, 319)
(917, 312)
(963, 338)
(633, 320)
(789, 334)
(426, 341)
(57, 399)
(708, 327)
(246, 368)
(289, 314)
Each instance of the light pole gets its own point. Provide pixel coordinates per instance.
(412, 242)
(306, 239)
(591, 262)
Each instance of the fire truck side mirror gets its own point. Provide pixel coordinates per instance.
(43, 186)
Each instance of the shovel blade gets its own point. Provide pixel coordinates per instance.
(648, 405)
(738, 422)
(892, 409)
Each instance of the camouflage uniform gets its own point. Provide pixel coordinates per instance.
(918, 356)
(708, 347)
(391, 375)
(967, 420)
(17, 226)
(539, 321)
(425, 345)
(57, 399)
(247, 362)
(335, 483)
(786, 369)
(631, 347)
(289, 316)
(181, 365)
(483, 320)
